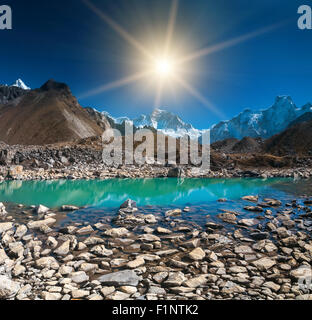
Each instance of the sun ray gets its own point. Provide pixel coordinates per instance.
(115, 26)
(171, 25)
(158, 97)
(229, 43)
(199, 97)
(116, 84)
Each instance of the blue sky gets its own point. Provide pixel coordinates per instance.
(66, 41)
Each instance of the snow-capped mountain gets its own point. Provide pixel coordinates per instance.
(264, 124)
(9, 93)
(161, 120)
(255, 124)
(20, 84)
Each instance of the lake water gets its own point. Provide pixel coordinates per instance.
(154, 192)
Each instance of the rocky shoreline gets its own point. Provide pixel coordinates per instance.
(93, 172)
(157, 256)
(83, 160)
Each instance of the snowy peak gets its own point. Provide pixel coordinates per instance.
(10, 93)
(263, 123)
(161, 120)
(20, 84)
(254, 124)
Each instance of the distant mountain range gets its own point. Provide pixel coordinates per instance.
(255, 124)
(260, 124)
(52, 114)
(161, 120)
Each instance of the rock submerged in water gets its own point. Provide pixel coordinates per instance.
(228, 217)
(251, 198)
(69, 208)
(175, 259)
(173, 213)
(254, 208)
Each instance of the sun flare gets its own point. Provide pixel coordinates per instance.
(164, 67)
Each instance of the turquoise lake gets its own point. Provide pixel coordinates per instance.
(155, 192)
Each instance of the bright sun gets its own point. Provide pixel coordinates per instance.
(164, 67)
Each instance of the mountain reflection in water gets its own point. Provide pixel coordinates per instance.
(111, 193)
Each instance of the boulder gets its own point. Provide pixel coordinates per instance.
(41, 210)
(173, 213)
(51, 296)
(40, 223)
(3, 256)
(248, 222)
(116, 232)
(63, 249)
(6, 157)
(251, 198)
(5, 226)
(118, 296)
(138, 262)
(175, 173)
(175, 279)
(101, 251)
(69, 208)
(8, 288)
(254, 208)
(79, 277)
(149, 238)
(228, 217)
(264, 264)
(15, 172)
(20, 231)
(121, 278)
(48, 263)
(196, 282)
(3, 211)
(273, 202)
(128, 204)
(197, 254)
(303, 272)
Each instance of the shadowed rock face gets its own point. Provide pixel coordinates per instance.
(47, 115)
(57, 86)
(7, 94)
(246, 145)
(296, 140)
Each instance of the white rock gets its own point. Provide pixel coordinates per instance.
(40, 223)
(5, 226)
(47, 262)
(8, 288)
